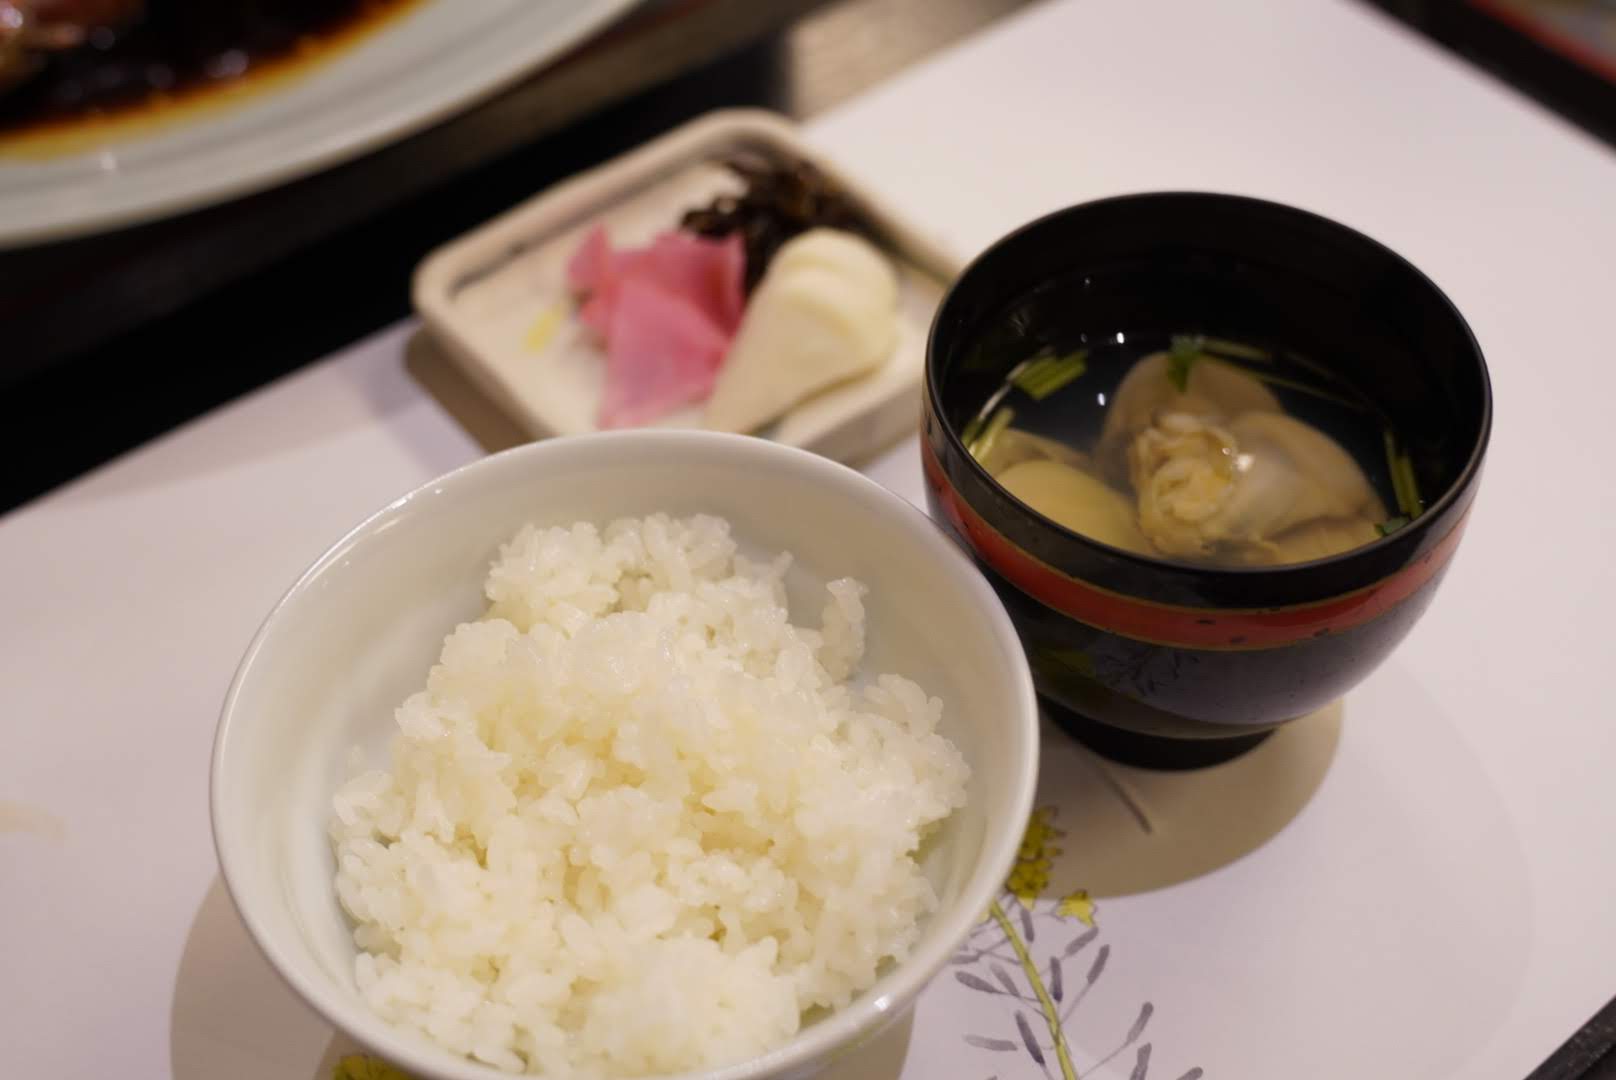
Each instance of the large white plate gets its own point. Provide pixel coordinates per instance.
(414, 70)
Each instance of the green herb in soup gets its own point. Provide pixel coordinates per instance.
(1043, 375)
(1205, 450)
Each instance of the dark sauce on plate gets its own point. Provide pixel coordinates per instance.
(179, 49)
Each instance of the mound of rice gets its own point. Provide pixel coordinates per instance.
(638, 822)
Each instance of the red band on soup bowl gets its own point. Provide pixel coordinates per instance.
(1174, 625)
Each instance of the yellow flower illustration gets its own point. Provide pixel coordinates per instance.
(361, 1067)
(1077, 905)
(1029, 878)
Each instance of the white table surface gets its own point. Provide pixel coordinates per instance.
(1438, 907)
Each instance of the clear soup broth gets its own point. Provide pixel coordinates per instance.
(1196, 448)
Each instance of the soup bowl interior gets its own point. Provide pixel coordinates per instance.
(358, 632)
(1164, 648)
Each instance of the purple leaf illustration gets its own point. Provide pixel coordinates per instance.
(1026, 924)
(1004, 978)
(1027, 1038)
(1082, 939)
(1138, 1028)
(976, 982)
(1193, 1074)
(963, 958)
(1099, 963)
(1141, 1064)
(986, 1043)
(1057, 987)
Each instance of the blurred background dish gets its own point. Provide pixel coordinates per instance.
(78, 154)
(337, 245)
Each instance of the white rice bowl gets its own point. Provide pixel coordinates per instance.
(638, 822)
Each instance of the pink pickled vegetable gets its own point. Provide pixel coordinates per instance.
(661, 353)
(591, 263)
(698, 300)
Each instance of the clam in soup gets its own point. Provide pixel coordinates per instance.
(1196, 449)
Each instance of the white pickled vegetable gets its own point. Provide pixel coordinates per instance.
(846, 255)
(825, 312)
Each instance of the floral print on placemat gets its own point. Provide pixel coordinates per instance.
(1041, 957)
(364, 1067)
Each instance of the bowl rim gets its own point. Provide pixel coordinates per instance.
(824, 1038)
(1411, 533)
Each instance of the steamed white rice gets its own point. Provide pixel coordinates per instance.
(638, 822)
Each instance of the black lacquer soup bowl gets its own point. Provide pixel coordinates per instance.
(1165, 663)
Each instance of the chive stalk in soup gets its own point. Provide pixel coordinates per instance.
(1196, 449)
